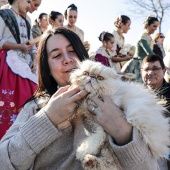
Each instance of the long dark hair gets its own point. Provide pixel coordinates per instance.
(46, 82)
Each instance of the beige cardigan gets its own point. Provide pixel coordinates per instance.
(34, 143)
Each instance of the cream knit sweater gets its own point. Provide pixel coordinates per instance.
(34, 143)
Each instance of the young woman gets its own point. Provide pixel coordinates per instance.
(43, 127)
(17, 63)
(56, 19)
(40, 25)
(106, 52)
(34, 5)
(144, 47)
(158, 46)
(71, 15)
(122, 25)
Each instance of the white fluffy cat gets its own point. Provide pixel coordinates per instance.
(139, 106)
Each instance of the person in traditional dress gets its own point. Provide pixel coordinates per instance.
(56, 19)
(41, 25)
(71, 14)
(158, 48)
(18, 79)
(34, 5)
(106, 52)
(122, 24)
(144, 47)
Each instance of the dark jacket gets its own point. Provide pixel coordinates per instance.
(164, 94)
(157, 50)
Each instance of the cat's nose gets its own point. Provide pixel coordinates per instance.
(93, 76)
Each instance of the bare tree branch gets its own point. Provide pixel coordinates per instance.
(143, 7)
(162, 14)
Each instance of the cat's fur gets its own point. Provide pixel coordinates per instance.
(139, 106)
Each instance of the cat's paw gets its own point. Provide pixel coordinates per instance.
(90, 162)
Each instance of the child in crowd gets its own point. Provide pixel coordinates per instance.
(106, 53)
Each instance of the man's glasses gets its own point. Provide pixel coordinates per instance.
(161, 36)
(154, 70)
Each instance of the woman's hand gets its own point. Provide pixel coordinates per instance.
(111, 118)
(62, 104)
(25, 47)
(129, 57)
(126, 57)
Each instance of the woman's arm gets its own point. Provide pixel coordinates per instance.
(24, 46)
(120, 59)
(26, 138)
(32, 132)
(143, 43)
(134, 155)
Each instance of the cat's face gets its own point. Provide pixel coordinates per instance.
(93, 77)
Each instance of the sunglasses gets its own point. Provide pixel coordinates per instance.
(161, 36)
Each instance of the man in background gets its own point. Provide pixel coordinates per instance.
(153, 71)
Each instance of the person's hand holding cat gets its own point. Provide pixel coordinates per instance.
(111, 118)
(62, 104)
